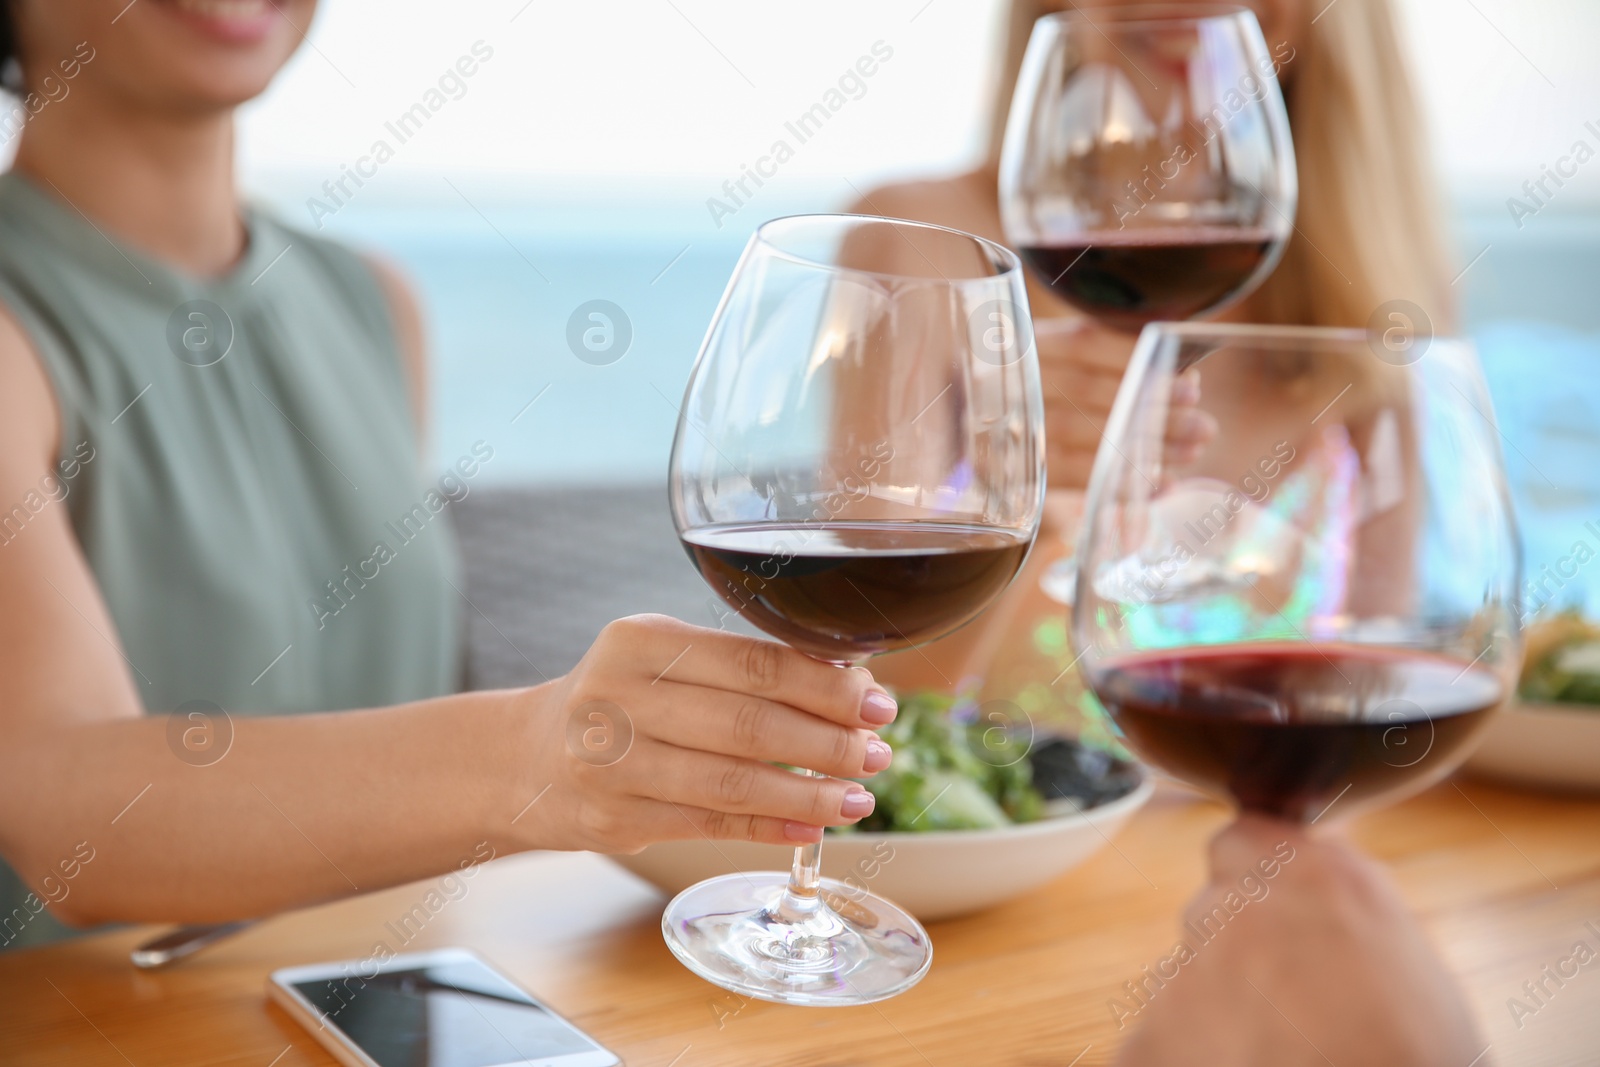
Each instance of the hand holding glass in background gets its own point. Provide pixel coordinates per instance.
(1147, 172)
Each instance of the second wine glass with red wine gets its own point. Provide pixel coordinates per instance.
(858, 468)
(1147, 172)
(1320, 610)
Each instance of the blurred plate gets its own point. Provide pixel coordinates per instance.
(934, 875)
(1551, 745)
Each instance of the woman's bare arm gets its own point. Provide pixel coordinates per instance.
(307, 807)
(300, 809)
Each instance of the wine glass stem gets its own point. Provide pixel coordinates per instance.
(801, 899)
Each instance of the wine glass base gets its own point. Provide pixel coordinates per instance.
(855, 948)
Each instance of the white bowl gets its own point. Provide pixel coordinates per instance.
(934, 875)
(1550, 745)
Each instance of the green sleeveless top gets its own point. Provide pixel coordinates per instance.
(241, 469)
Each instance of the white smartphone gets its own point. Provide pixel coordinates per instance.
(446, 1008)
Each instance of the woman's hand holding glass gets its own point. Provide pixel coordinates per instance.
(666, 730)
(1081, 363)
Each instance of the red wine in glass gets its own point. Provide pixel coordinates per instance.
(840, 590)
(1288, 728)
(1128, 278)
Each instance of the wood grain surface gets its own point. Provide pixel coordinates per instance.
(1504, 880)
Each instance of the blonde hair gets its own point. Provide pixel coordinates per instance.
(1368, 229)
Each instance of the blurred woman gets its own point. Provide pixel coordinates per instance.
(210, 503)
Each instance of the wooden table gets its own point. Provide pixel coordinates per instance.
(1503, 879)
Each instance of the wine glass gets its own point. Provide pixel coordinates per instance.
(1147, 171)
(858, 468)
(1322, 608)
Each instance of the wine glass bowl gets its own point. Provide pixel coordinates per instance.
(1147, 171)
(858, 467)
(1322, 607)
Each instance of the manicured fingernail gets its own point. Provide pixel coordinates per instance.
(858, 803)
(878, 756)
(879, 708)
(799, 831)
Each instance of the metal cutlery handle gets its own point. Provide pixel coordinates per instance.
(183, 941)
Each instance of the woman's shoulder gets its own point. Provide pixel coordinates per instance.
(371, 286)
(361, 281)
(333, 259)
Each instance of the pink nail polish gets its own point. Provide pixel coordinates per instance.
(879, 708)
(801, 833)
(858, 803)
(878, 756)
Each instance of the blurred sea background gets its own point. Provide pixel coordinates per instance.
(576, 162)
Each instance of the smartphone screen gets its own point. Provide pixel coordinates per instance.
(448, 1014)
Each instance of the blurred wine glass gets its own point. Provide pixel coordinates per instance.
(1147, 171)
